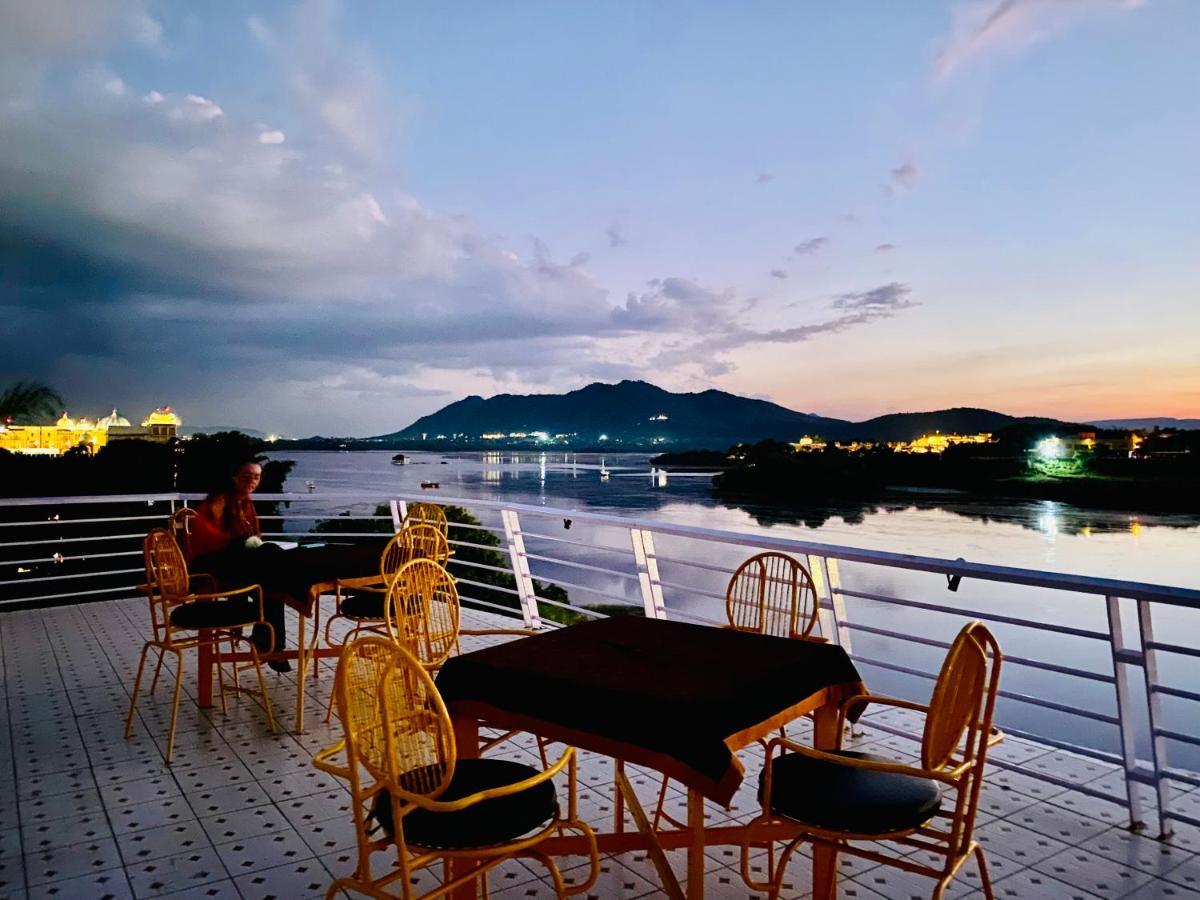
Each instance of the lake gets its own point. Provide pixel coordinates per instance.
(1028, 534)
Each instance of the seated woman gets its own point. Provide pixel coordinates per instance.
(226, 542)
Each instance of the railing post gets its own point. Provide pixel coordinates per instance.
(399, 511)
(837, 603)
(1158, 744)
(520, 568)
(1123, 657)
(647, 569)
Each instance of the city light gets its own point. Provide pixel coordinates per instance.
(1050, 448)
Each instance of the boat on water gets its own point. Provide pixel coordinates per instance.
(399, 460)
(429, 485)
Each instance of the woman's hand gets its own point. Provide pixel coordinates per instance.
(253, 542)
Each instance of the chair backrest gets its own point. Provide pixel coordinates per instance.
(421, 751)
(420, 513)
(412, 542)
(183, 521)
(959, 723)
(422, 611)
(166, 568)
(772, 593)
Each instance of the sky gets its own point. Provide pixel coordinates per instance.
(332, 218)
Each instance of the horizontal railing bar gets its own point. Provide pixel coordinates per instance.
(15, 600)
(977, 614)
(1016, 660)
(578, 565)
(701, 592)
(158, 518)
(1011, 695)
(576, 609)
(67, 559)
(1175, 692)
(513, 613)
(580, 587)
(708, 567)
(103, 573)
(1030, 578)
(477, 565)
(584, 544)
(1192, 778)
(1173, 648)
(1177, 736)
(74, 540)
(490, 587)
(458, 543)
(694, 617)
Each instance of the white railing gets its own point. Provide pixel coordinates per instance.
(673, 571)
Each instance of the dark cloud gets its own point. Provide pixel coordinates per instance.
(811, 246)
(615, 236)
(885, 248)
(903, 177)
(779, 273)
(765, 178)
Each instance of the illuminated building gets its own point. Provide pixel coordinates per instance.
(937, 442)
(68, 433)
(808, 444)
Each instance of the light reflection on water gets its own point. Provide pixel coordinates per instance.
(1027, 534)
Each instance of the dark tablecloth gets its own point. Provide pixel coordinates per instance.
(291, 574)
(675, 689)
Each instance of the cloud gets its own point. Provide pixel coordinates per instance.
(903, 177)
(885, 248)
(764, 178)
(986, 30)
(674, 304)
(850, 310)
(883, 300)
(778, 273)
(147, 31)
(115, 86)
(811, 246)
(275, 136)
(153, 98)
(615, 236)
(195, 108)
(261, 31)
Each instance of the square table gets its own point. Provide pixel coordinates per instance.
(299, 576)
(671, 696)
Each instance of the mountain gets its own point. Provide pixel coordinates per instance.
(1149, 424)
(635, 414)
(629, 412)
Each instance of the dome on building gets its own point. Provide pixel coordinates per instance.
(164, 415)
(65, 421)
(113, 418)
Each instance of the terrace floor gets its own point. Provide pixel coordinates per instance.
(241, 813)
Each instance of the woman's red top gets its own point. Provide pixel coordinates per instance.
(221, 520)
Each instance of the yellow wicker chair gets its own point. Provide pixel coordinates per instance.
(772, 593)
(426, 514)
(411, 792)
(182, 619)
(364, 605)
(839, 799)
(769, 593)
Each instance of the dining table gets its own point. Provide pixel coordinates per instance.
(298, 577)
(676, 697)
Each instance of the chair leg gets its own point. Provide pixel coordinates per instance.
(220, 661)
(778, 875)
(137, 683)
(262, 686)
(985, 877)
(658, 807)
(175, 704)
(560, 886)
(157, 670)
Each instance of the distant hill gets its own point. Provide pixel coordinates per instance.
(628, 413)
(960, 420)
(1149, 424)
(189, 430)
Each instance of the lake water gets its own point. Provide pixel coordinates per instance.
(1028, 534)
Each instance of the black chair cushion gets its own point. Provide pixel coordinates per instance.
(483, 824)
(216, 613)
(363, 604)
(843, 798)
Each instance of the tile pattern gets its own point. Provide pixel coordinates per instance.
(242, 814)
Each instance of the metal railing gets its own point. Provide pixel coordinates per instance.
(663, 570)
